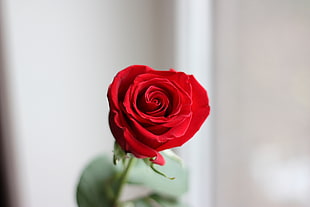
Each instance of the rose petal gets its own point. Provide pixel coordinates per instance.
(159, 159)
(126, 140)
(154, 102)
(121, 82)
(157, 135)
(181, 106)
(200, 109)
(178, 78)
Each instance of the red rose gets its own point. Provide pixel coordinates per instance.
(151, 110)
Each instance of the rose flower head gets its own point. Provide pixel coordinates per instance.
(153, 110)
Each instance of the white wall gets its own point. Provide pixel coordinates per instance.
(262, 103)
(194, 47)
(61, 57)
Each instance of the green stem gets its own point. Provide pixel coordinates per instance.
(122, 181)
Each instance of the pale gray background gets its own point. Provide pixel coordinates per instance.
(61, 57)
(252, 55)
(262, 50)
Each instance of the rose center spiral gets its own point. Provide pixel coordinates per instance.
(153, 101)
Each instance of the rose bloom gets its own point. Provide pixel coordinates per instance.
(152, 110)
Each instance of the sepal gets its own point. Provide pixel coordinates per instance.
(118, 153)
(149, 163)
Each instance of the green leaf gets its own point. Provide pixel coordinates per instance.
(142, 175)
(95, 188)
(166, 201)
(100, 179)
(154, 200)
(140, 202)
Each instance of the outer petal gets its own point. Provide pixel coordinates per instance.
(141, 150)
(179, 78)
(122, 81)
(147, 136)
(200, 110)
(128, 142)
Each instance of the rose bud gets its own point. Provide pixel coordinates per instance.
(152, 110)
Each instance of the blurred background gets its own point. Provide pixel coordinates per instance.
(57, 59)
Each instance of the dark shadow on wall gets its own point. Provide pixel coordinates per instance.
(4, 183)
